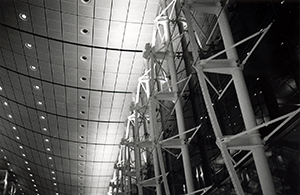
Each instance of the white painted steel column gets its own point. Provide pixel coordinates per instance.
(260, 159)
(178, 110)
(137, 152)
(153, 126)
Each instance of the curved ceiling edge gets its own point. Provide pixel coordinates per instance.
(63, 85)
(56, 156)
(73, 43)
(61, 139)
(74, 118)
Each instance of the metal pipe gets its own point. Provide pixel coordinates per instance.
(153, 126)
(178, 109)
(137, 153)
(259, 156)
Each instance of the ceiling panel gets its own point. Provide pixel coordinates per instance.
(67, 73)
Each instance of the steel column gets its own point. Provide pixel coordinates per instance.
(258, 152)
(153, 126)
(178, 109)
(137, 151)
(194, 100)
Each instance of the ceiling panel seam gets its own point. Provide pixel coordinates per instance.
(61, 139)
(53, 156)
(72, 43)
(68, 86)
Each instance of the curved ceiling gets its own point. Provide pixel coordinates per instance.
(67, 70)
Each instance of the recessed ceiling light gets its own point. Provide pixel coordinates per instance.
(14, 128)
(80, 156)
(46, 140)
(36, 87)
(50, 158)
(1, 88)
(55, 185)
(32, 180)
(40, 103)
(29, 45)
(85, 1)
(36, 190)
(52, 172)
(82, 112)
(42, 117)
(31, 175)
(34, 185)
(83, 58)
(21, 147)
(4, 157)
(81, 137)
(24, 155)
(9, 116)
(8, 164)
(83, 78)
(17, 137)
(26, 162)
(82, 126)
(28, 169)
(53, 178)
(81, 147)
(34, 68)
(82, 97)
(5, 104)
(44, 129)
(84, 31)
(23, 16)
(48, 149)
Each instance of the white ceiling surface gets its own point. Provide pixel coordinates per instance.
(117, 33)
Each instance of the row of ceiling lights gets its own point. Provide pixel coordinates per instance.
(46, 140)
(83, 58)
(42, 117)
(84, 31)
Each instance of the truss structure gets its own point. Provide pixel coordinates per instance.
(157, 105)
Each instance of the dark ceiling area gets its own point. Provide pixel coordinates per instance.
(70, 71)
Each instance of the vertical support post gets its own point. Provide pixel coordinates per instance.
(210, 109)
(137, 151)
(153, 126)
(127, 171)
(260, 159)
(158, 147)
(194, 100)
(178, 109)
